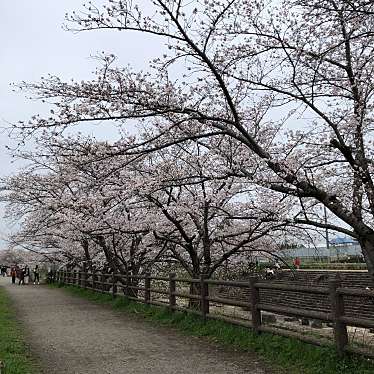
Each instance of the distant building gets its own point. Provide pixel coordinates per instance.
(339, 248)
(343, 241)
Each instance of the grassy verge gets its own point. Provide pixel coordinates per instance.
(289, 355)
(13, 350)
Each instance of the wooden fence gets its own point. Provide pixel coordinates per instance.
(114, 283)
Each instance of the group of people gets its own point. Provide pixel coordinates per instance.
(24, 275)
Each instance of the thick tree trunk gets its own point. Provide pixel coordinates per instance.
(195, 289)
(367, 246)
(128, 290)
(86, 250)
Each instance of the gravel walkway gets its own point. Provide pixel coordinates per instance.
(72, 335)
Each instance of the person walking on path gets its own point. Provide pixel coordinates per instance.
(21, 277)
(27, 275)
(13, 274)
(36, 274)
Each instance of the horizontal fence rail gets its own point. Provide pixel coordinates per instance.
(145, 288)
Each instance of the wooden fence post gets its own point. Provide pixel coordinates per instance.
(114, 285)
(127, 289)
(204, 293)
(172, 298)
(99, 279)
(79, 278)
(84, 275)
(93, 280)
(105, 280)
(147, 286)
(102, 280)
(255, 300)
(75, 276)
(337, 311)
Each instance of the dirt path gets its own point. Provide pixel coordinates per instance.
(73, 335)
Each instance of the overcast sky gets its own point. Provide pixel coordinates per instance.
(33, 44)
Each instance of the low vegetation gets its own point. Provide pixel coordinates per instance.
(14, 353)
(287, 354)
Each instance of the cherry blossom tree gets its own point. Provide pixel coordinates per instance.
(11, 257)
(34, 202)
(205, 219)
(82, 200)
(283, 88)
(77, 211)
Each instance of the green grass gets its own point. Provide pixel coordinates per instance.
(13, 350)
(284, 354)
